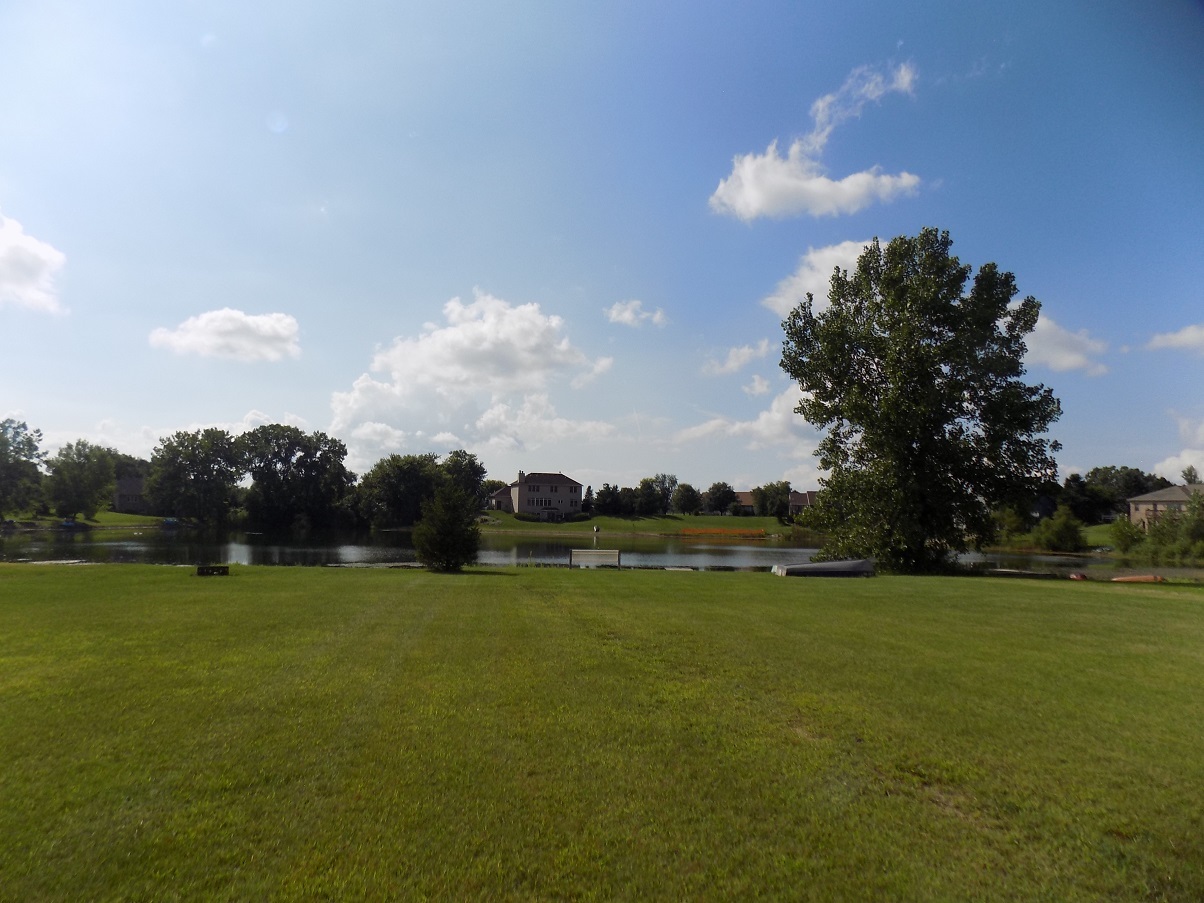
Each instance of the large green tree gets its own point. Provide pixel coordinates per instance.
(772, 499)
(195, 475)
(392, 492)
(463, 470)
(298, 479)
(81, 479)
(919, 387)
(686, 499)
(20, 456)
(719, 498)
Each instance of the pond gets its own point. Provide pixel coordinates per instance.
(186, 547)
(152, 545)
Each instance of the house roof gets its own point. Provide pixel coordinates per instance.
(1170, 494)
(552, 479)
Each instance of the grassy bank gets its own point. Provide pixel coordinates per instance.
(545, 733)
(667, 525)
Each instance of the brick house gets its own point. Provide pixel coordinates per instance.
(550, 496)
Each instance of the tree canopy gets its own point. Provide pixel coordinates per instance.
(81, 479)
(20, 456)
(298, 479)
(919, 387)
(195, 475)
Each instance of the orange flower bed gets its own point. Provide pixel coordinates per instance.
(723, 531)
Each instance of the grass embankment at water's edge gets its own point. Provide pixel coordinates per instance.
(711, 526)
(518, 734)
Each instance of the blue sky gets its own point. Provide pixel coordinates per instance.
(563, 235)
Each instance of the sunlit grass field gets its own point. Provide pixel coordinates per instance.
(551, 734)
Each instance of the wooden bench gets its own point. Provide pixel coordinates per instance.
(594, 558)
(213, 570)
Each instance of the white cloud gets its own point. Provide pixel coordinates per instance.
(1191, 432)
(632, 313)
(1189, 338)
(758, 386)
(814, 275)
(487, 349)
(233, 334)
(27, 269)
(769, 184)
(775, 425)
(533, 424)
(1060, 349)
(738, 358)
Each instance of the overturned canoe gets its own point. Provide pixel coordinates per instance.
(861, 567)
(1140, 578)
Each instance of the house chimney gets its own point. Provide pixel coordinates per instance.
(520, 476)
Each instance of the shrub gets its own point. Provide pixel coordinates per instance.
(447, 537)
(1061, 533)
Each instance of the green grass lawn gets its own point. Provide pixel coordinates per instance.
(549, 734)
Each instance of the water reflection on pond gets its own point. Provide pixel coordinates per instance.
(155, 546)
(186, 547)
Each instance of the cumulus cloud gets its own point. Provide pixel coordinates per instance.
(771, 184)
(1060, 349)
(775, 425)
(28, 268)
(814, 274)
(233, 334)
(738, 358)
(1191, 433)
(487, 349)
(1189, 338)
(758, 386)
(533, 423)
(632, 313)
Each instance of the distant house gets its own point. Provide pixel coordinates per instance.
(1145, 509)
(129, 496)
(800, 501)
(550, 496)
(745, 504)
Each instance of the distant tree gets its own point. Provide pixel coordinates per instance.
(447, 537)
(587, 501)
(1125, 535)
(665, 484)
(463, 469)
(719, 498)
(20, 455)
(392, 492)
(195, 475)
(1191, 477)
(772, 500)
(686, 499)
(81, 479)
(126, 466)
(608, 502)
(628, 502)
(1117, 485)
(648, 502)
(918, 385)
(1089, 502)
(298, 480)
(1061, 533)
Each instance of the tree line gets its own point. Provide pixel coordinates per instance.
(275, 477)
(278, 477)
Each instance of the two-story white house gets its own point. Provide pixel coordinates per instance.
(549, 496)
